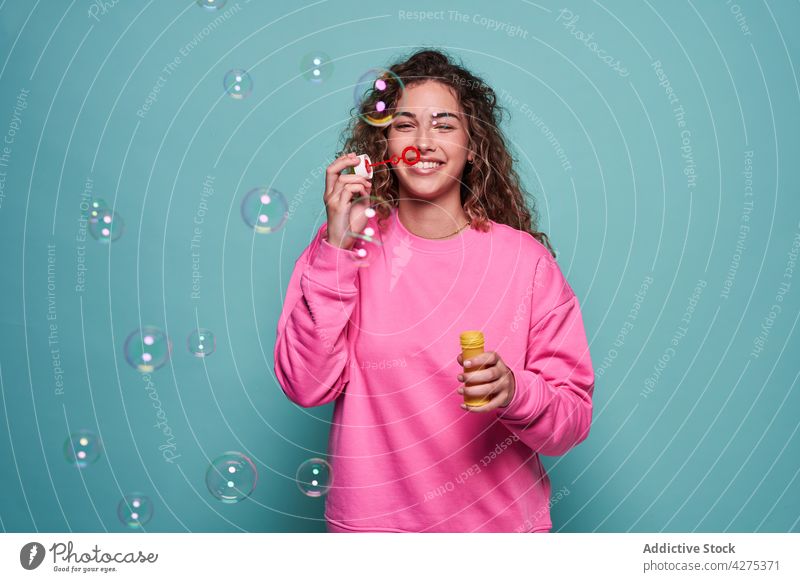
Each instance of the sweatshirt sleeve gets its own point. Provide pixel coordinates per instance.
(551, 410)
(311, 346)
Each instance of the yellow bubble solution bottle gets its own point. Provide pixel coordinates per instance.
(471, 346)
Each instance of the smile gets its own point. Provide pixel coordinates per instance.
(425, 168)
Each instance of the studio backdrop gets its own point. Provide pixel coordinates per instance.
(162, 168)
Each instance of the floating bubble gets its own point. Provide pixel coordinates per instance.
(97, 206)
(232, 477)
(374, 93)
(211, 4)
(363, 253)
(82, 448)
(201, 342)
(315, 477)
(135, 510)
(316, 67)
(238, 83)
(106, 225)
(264, 209)
(362, 211)
(147, 349)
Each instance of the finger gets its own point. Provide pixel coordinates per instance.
(343, 181)
(343, 161)
(346, 193)
(491, 405)
(482, 391)
(484, 359)
(351, 178)
(354, 184)
(332, 173)
(483, 376)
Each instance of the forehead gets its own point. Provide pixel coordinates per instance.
(428, 95)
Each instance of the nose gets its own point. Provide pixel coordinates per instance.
(424, 140)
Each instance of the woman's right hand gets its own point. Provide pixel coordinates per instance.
(340, 190)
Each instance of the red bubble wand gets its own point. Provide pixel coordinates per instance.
(396, 159)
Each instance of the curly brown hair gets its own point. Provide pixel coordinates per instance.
(490, 186)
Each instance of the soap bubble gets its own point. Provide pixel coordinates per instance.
(135, 510)
(231, 477)
(97, 206)
(316, 67)
(147, 349)
(315, 477)
(238, 83)
(82, 448)
(363, 253)
(105, 225)
(201, 342)
(375, 92)
(363, 211)
(264, 209)
(211, 4)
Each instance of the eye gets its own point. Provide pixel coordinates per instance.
(403, 125)
(443, 126)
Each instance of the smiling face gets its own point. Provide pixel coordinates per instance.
(429, 117)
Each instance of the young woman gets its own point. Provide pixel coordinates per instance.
(455, 249)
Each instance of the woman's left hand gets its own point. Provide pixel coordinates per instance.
(494, 383)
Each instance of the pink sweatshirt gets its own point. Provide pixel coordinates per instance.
(381, 341)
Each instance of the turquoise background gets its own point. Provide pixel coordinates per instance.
(713, 446)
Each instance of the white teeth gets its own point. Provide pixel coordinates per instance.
(429, 165)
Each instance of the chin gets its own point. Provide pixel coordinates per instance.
(424, 194)
(429, 191)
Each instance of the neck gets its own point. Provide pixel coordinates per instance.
(436, 218)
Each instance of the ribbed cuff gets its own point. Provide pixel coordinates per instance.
(530, 394)
(333, 267)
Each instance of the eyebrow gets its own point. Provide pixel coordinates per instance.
(438, 115)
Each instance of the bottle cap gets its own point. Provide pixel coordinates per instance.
(364, 169)
(471, 339)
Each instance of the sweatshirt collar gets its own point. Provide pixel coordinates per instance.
(463, 240)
